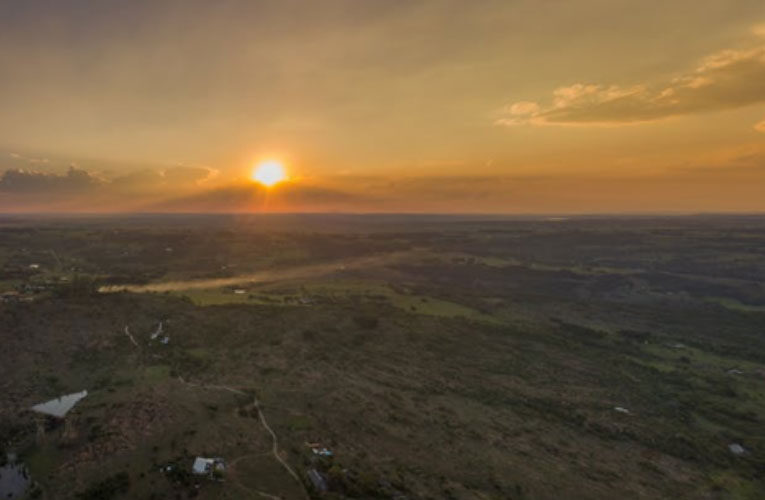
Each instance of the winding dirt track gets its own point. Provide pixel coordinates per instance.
(132, 339)
(270, 275)
(256, 404)
(274, 439)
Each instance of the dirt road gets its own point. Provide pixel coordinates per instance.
(270, 275)
(264, 422)
(132, 339)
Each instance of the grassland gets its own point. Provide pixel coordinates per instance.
(486, 363)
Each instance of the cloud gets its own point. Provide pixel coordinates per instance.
(80, 189)
(457, 190)
(519, 112)
(184, 175)
(73, 181)
(732, 178)
(179, 177)
(138, 180)
(28, 159)
(760, 127)
(254, 198)
(727, 79)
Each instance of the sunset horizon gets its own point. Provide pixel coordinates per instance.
(382, 249)
(598, 107)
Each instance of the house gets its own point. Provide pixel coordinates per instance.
(322, 452)
(736, 449)
(56, 411)
(60, 406)
(208, 466)
(14, 480)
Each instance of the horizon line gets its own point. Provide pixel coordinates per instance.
(403, 214)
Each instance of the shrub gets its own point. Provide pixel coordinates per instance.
(366, 322)
(107, 488)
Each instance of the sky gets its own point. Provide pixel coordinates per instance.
(453, 106)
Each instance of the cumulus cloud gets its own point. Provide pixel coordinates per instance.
(519, 112)
(724, 80)
(22, 181)
(75, 189)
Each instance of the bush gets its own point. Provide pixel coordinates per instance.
(366, 322)
(108, 488)
(80, 286)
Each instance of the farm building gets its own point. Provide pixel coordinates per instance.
(208, 466)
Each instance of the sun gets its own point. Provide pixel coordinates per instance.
(269, 173)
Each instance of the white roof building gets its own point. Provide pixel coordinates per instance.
(206, 466)
(60, 406)
(736, 449)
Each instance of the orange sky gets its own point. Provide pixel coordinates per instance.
(525, 106)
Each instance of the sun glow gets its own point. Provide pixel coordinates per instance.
(269, 173)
